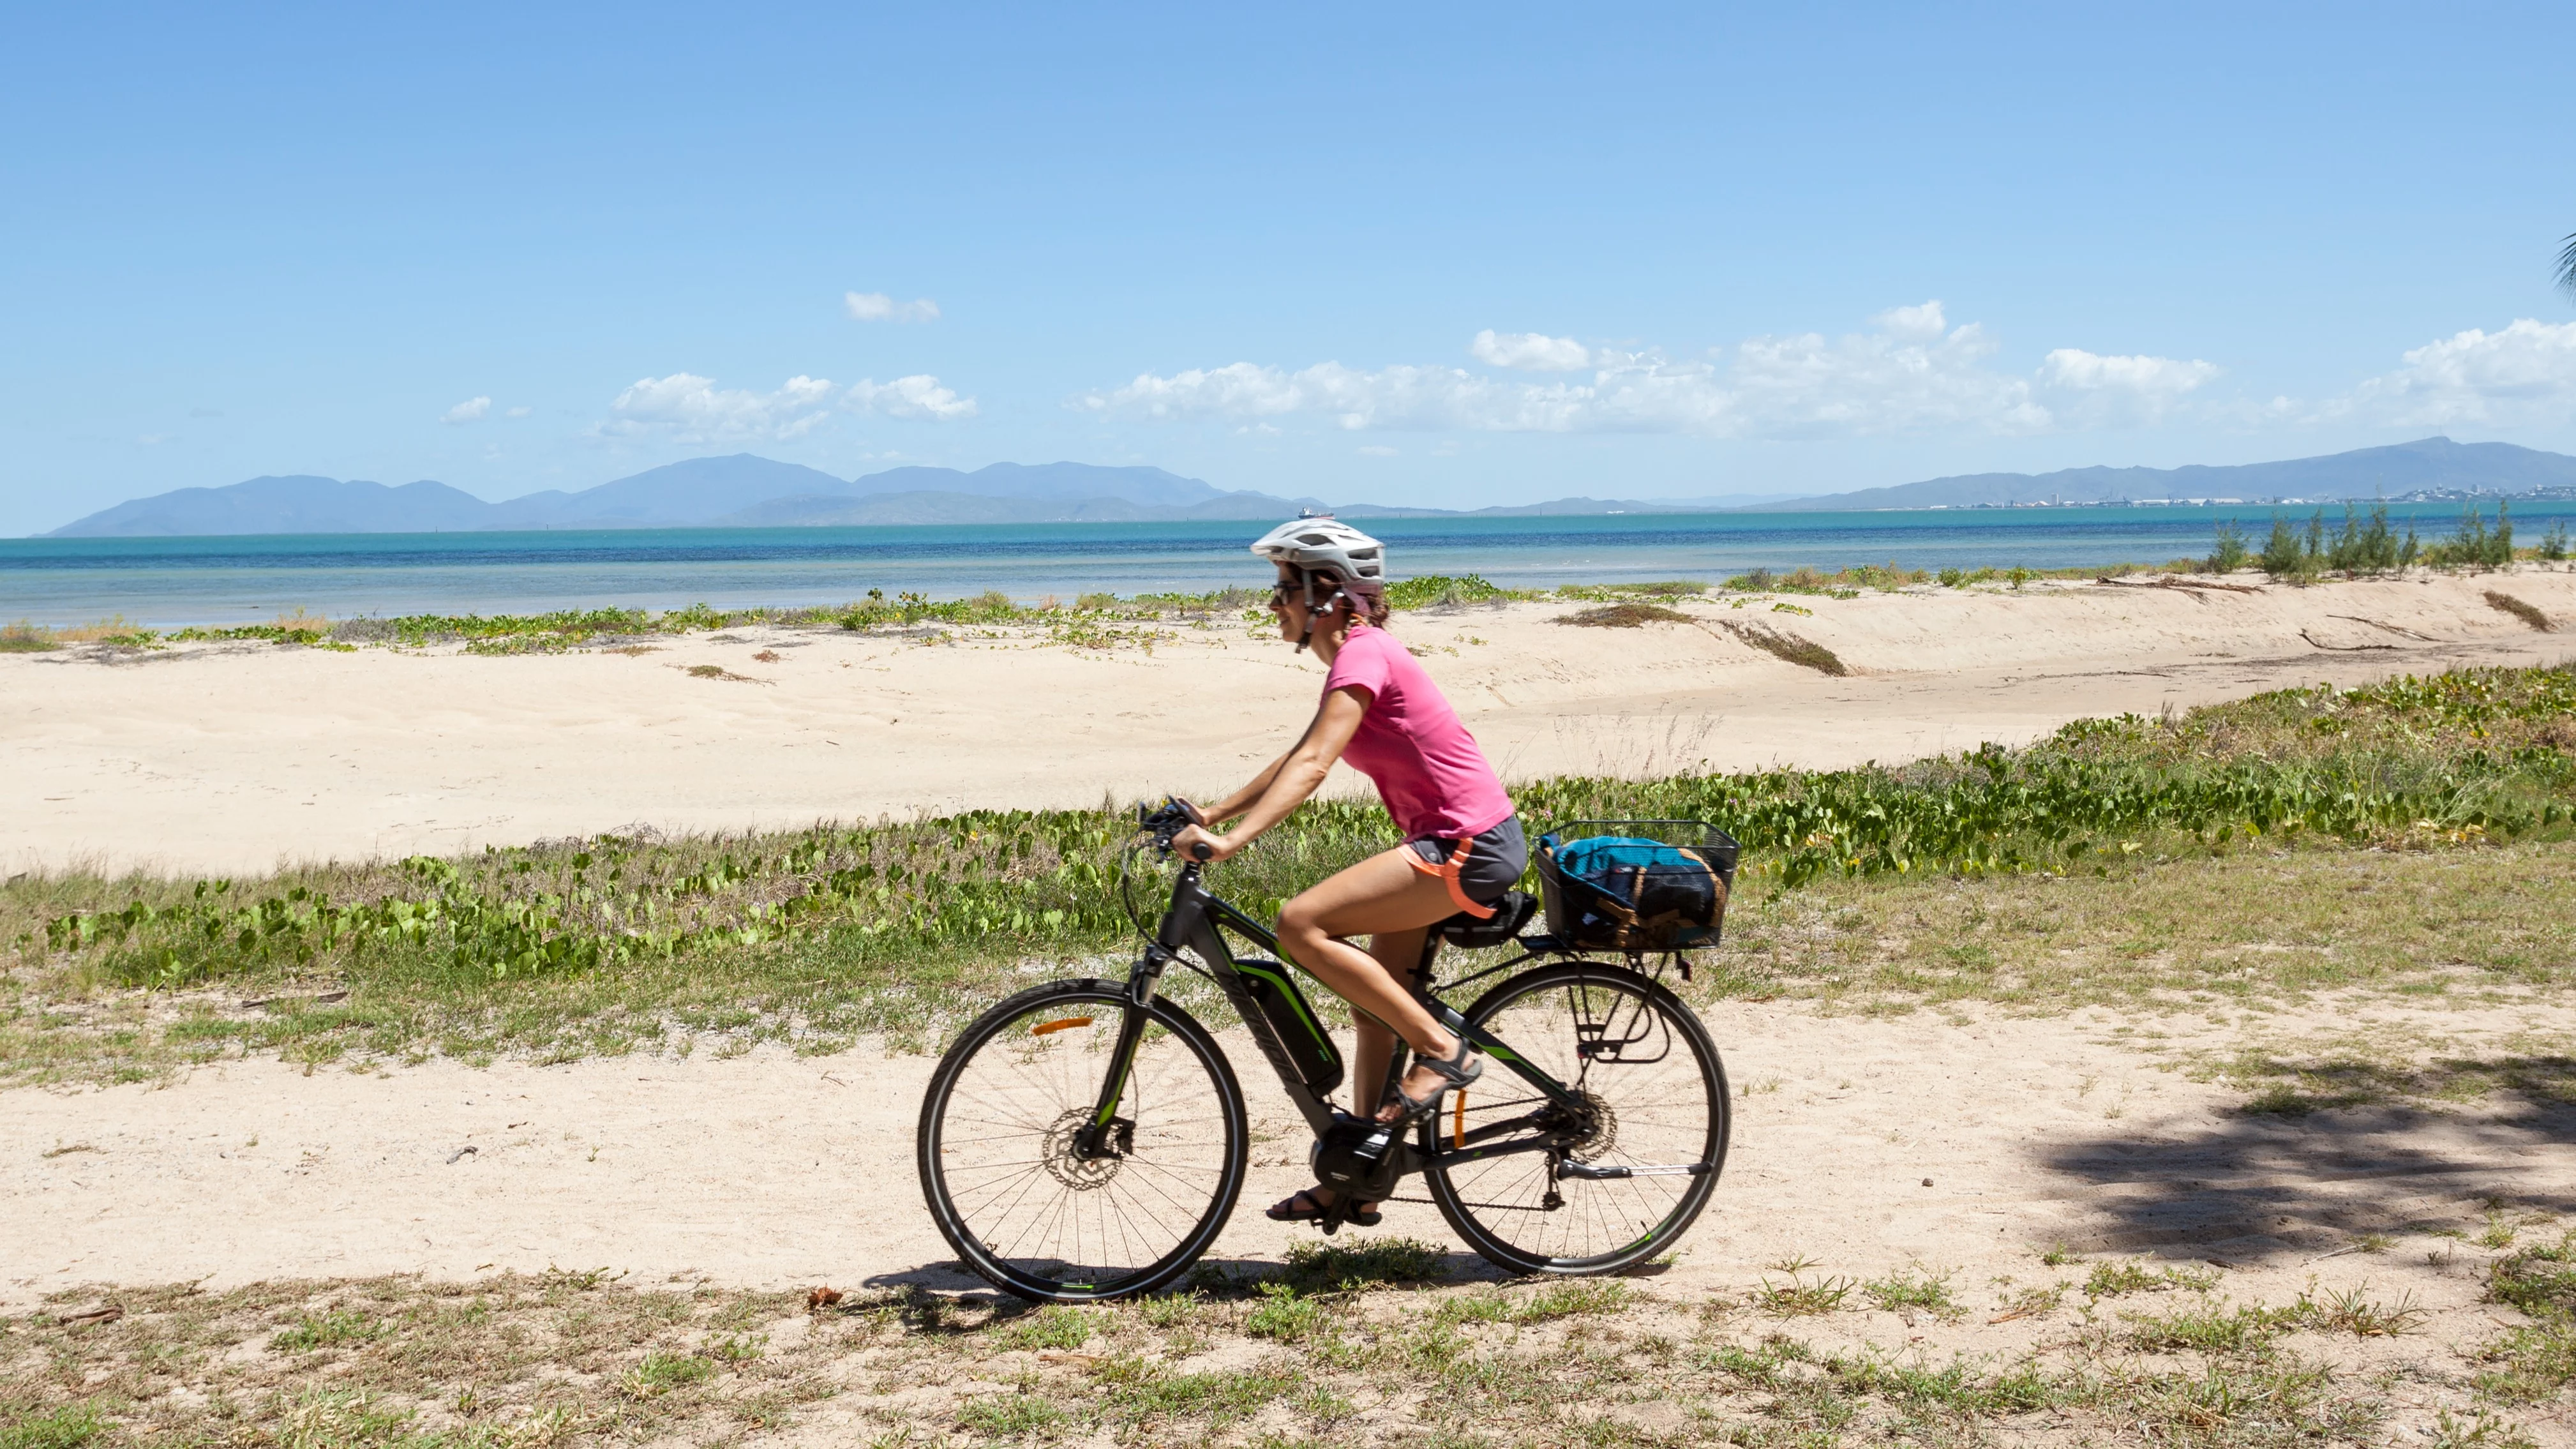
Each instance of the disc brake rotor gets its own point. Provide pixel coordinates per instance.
(1082, 1174)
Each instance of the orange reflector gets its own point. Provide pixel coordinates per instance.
(1043, 1028)
(1458, 1123)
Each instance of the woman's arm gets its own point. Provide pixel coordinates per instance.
(1298, 774)
(1242, 800)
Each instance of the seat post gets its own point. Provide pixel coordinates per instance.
(1430, 952)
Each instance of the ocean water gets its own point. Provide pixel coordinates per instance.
(168, 582)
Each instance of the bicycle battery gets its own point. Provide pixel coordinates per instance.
(1310, 1048)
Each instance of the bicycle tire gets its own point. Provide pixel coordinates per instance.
(1083, 1237)
(1498, 1205)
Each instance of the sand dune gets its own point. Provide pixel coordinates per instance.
(231, 758)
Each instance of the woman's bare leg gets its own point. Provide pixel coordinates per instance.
(1399, 953)
(1308, 931)
(1381, 896)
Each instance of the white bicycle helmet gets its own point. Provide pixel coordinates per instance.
(1308, 544)
(1329, 543)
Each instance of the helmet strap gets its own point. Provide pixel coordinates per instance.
(1306, 580)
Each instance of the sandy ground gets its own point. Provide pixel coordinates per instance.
(234, 758)
(1864, 1145)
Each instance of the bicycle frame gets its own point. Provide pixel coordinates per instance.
(1197, 921)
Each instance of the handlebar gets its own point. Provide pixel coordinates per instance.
(1167, 820)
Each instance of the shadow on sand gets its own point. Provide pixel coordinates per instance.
(2326, 1154)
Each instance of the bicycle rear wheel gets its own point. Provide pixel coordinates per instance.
(997, 1136)
(1653, 1094)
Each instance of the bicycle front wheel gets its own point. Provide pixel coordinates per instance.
(998, 1134)
(1651, 1094)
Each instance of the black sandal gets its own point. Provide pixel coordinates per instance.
(1453, 1071)
(1316, 1209)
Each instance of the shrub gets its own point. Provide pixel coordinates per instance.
(2229, 553)
(1442, 591)
(2475, 545)
(2283, 556)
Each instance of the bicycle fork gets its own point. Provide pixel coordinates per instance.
(1109, 1135)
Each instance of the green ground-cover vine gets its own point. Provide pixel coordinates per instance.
(2449, 759)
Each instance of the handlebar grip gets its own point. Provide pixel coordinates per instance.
(1201, 850)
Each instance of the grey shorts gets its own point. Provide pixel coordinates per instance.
(1479, 869)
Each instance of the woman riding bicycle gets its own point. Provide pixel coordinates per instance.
(1462, 842)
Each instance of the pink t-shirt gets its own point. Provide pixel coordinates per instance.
(1427, 767)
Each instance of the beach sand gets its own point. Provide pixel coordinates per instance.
(1958, 1143)
(234, 758)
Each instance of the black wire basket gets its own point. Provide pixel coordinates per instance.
(1637, 885)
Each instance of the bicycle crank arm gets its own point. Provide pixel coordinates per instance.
(1614, 1174)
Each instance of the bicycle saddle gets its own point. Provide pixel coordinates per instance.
(1511, 913)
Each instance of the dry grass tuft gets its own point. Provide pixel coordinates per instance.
(1805, 653)
(26, 638)
(718, 671)
(1624, 616)
(2520, 610)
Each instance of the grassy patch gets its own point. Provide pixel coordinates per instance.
(2413, 836)
(2115, 1280)
(1912, 1291)
(1799, 1296)
(584, 1358)
(1623, 616)
(1329, 1265)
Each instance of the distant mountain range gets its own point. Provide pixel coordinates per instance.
(743, 491)
(2434, 467)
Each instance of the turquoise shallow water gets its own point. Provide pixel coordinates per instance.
(169, 582)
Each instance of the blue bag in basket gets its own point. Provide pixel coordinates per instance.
(1628, 893)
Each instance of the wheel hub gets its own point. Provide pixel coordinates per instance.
(1068, 1164)
(1593, 1129)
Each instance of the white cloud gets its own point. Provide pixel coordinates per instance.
(692, 409)
(469, 411)
(2524, 374)
(1534, 351)
(878, 307)
(918, 396)
(1913, 373)
(518, 412)
(2093, 390)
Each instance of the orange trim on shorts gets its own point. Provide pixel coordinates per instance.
(1447, 871)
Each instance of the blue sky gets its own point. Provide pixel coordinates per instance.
(1446, 255)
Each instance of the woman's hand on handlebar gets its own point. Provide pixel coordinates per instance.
(1196, 842)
